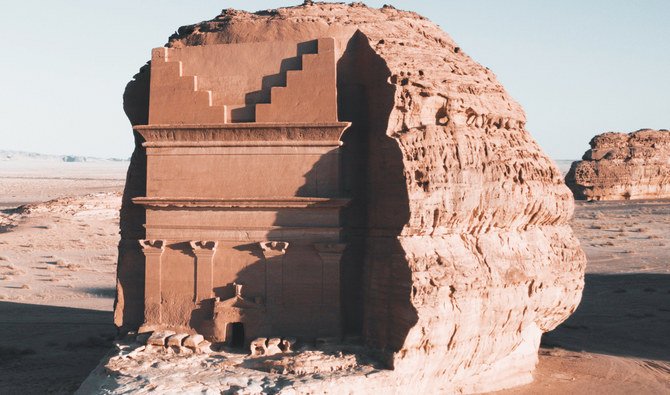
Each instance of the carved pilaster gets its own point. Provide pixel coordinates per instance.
(153, 251)
(274, 251)
(204, 268)
(331, 255)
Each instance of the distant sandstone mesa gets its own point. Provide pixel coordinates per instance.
(335, 171)
(622, 166)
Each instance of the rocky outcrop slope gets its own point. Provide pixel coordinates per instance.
(468, 254)
(622, 166)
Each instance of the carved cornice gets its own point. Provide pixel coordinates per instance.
(243, 134)
(289, 202)
(301, 143)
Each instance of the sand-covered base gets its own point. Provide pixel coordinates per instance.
(57, 268)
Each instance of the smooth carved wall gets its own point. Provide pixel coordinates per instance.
(218, 169)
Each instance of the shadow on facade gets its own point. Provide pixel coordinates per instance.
(130, 267)
(247, 113)
(375, 279)
(376, 294)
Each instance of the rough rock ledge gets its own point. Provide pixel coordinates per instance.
(468, 252)
(621, 166)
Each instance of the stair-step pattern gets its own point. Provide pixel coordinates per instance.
(310, 94)
(175, 98)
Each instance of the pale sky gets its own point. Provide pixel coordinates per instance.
(578, 67)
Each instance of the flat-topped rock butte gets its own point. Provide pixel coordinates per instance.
(623, 166)
(337, 171)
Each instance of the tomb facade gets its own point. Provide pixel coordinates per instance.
(243, 198)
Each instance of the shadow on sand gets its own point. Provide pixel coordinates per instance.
(47, 349)
(620, 314)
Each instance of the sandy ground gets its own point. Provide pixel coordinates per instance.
(57, 267)
(38, 180)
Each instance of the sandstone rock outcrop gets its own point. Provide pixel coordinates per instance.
(459, 253)
(621, 166)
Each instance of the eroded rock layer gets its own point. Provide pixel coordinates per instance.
(622, 166)
(460, 252)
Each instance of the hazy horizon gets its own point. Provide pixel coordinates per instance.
(578, 69)
(58, 154)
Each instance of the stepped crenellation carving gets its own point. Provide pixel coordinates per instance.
(306, 97)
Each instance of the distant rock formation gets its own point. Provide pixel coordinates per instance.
(33, 156)
(622, 166)
(460, 221)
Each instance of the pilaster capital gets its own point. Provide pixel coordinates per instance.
(330, 248)
(201, 247)
(152, 247)
(330, 251)
(273, 248)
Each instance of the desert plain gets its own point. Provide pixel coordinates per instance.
(58, 249)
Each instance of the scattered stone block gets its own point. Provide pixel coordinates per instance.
(258, 346)
(192, 341)
(159, 338)
(288, 344)
(273, 346)
(204, 347)
(177, 339)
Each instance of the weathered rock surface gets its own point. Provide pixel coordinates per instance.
(469, 257)
(622, 166)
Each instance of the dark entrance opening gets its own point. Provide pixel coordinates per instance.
(235, 334)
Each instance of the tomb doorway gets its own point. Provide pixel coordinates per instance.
(235, 334)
